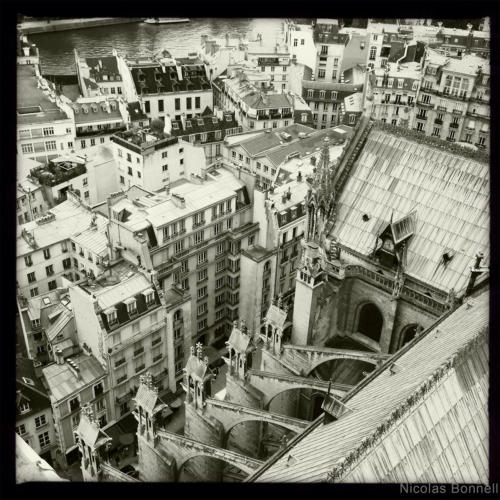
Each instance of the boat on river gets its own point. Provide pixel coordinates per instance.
(166, 20)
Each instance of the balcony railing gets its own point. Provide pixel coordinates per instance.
(105, 131)
(437, 121)
(454, 125)
(421, 117)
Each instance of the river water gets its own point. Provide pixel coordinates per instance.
(140, 39)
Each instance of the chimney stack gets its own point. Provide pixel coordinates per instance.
(59, 357)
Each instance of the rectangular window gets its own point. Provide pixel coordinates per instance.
(74, 404)
(199, 237)
(34, 292)
(202, 309)
(177, 104)
(46, 253)
(21, 429)
(39, 421)
(197, 103)
(49, 270)
(202, 257)
(146, 106)
(321, 74)
(202, 292)
(44, 439)
(202, 275)
(220, 266)
(160, 105)
(188, 102)
(179, 246)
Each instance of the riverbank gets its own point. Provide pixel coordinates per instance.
(31, 27)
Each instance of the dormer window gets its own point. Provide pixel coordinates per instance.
(214, 120)
(111, 316)
(149, 296)
(131, 306)
(200, 122)
(188, 124)
(175, 126)
(24, 407)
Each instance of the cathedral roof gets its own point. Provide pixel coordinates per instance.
(449, 195)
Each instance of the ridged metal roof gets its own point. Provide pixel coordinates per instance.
(394, 176)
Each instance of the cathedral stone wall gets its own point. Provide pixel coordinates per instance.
(245, 437)
(209, 431)
(155, 466)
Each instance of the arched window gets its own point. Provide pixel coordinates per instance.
(267, 266)
(408, 334)
(178, 314)
(370, 322)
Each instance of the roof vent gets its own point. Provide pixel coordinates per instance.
(447, 256)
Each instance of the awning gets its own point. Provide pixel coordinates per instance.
(485, 127)
(471, 124)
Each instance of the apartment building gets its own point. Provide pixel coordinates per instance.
(393, 93)
(271, 59)
(458, 42)
(45, 126)
(34, 422)
(207, 131)
(47, 325)
(30, 199)
(73, 382)
(300, 41)
(99, 75)
(91, 177)
(44, 251)
(247, 153)
(192, 237)
(218, 54)
(329, 100)
(165, 85)
(121, 319)
(454, 99)
(96, 120)
(250, 95)
(152, 158)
